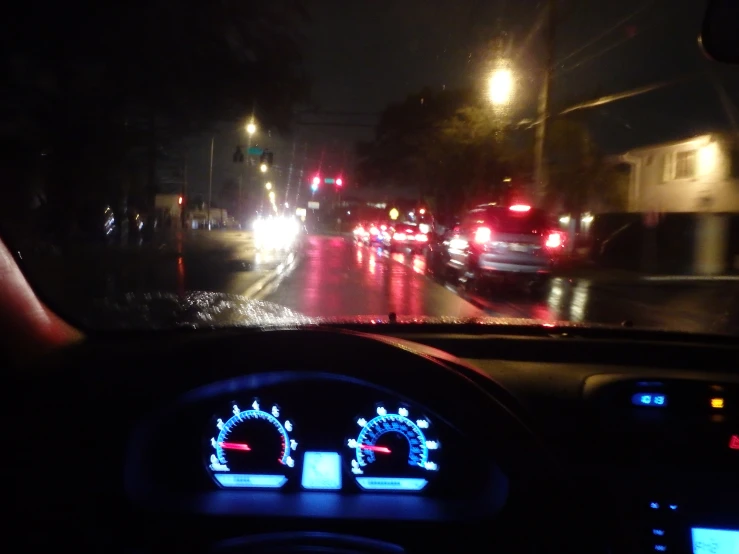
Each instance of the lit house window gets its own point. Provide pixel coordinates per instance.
(685, 164)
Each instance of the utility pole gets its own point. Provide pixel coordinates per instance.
(541, 168)
(184, 195)
(210, 178)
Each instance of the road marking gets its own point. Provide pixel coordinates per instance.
(281, 272)
(689, 278)
(259, 289)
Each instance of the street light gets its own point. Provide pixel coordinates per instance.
(500, 86)
(268, 186)
(263, 168)
(251, 128)
(272, 196)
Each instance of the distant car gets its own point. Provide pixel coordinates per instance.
(517, 242)
(401, 237)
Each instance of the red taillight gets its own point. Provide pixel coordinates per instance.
(399, 236)
(420, 237)
(554, 240)
(483, 235)
(520, 208)
(374, 231)
(358, 230)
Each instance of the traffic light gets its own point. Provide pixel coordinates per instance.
(339, 181)
(238, 155)
(267, 158)
(316, 182)
(179, 201)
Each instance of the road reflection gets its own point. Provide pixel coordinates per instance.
(563, 300)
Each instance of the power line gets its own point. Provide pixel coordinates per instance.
(607, 99)
(594, 56)
(626, 94)
(608, 31)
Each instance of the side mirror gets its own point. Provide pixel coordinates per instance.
(720, 33)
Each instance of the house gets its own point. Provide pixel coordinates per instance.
(697, 174)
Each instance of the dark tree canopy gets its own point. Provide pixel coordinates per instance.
(97, 89)
(456, 150)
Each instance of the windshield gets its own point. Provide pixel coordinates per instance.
(546, 161)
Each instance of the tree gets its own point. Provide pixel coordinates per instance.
(447, 143)
(581, 177)
(100, 90)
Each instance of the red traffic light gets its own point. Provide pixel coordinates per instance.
(339, 182)
(179, 201)
(316, 180)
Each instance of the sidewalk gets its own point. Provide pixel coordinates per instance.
(585, 270)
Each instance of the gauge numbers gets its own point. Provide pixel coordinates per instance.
(392, 451)
(253, 448)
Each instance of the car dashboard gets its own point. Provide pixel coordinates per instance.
(296, 443)
(398, 440)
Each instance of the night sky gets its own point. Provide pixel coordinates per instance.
(365, 54)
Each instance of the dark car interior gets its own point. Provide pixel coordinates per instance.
(533, 439)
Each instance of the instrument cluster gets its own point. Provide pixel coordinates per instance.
(256, 442)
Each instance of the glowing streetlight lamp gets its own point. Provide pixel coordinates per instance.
(268, 186)
(263, 168)
(251, 128)
(500, 86)
(272, 196)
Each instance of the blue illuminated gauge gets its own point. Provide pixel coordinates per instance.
(394, 451)
(252, 449)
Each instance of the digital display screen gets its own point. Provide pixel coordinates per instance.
(657, 400)
(715, 541)
(250, 481)
(321, 471)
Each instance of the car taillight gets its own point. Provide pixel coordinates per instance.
(358, 230)
(383, 227)
(374, 231)
(399, 236)
(420, 237)
(483, 235)
(554, 240)
(520, 208)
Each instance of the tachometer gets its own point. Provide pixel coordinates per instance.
(253, 448)
(393, 451)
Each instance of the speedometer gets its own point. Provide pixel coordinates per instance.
(253, 448)
(393, 451)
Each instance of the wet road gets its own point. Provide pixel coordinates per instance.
(331, 276)
(339, 278)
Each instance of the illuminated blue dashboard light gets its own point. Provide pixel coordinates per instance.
(251, 481)
(656, 400)
(391, 483)
(714, 541)
(321, 471)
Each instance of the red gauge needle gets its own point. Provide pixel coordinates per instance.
(234, 446)
(380, 449)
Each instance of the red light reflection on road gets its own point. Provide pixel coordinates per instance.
(181, 276)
